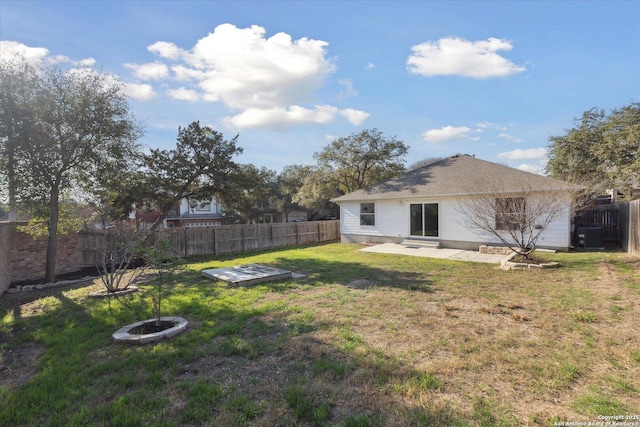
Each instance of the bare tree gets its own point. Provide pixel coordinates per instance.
(116, 247)
(517, 217)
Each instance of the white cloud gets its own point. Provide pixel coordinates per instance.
(141, 92)
(151, 71)
(280, 118)
(509, 137)
(87, 62)
(348, 90)
(166, 50)
(268, 80)
(446, 133)
(58, 59)
(482, 126)
(355, 117)
(186, 74)
(184, 94)
(10, 50)
(370, 66)
(455, 56)
(294, 115)
(537, 168)
(246, 70)
(528, 154)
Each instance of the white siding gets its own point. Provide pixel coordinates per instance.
(389, 217)
(556, 235)
(392, 222)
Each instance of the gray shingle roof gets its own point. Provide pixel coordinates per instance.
(457, 175)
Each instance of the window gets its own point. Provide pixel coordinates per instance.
(510, 213)
(367, 214)
(424, 219)
(198, 206)
(203, 207)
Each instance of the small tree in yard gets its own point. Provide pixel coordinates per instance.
(162, 262)
(117, 250)
(165, 262)
(117, 243)
(517, 218)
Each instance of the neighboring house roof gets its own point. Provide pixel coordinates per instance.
(457, 175)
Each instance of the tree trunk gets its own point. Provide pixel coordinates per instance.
(11, 173)
(52, 239)
(13, 211)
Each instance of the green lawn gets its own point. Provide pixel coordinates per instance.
(364, 340)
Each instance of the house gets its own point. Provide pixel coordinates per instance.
(195, 213)
(209, 213)
(425, 204)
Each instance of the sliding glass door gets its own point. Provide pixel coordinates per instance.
(424, 219)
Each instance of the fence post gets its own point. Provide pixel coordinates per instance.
(319, 235)
(271, 235)
(186, 244)
(215, 241)
(297, 233)
(6, 240)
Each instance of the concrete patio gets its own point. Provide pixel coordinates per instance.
(453, 254)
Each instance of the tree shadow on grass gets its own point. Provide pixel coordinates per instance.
(357, 275)
(352, 274)
(49, 334)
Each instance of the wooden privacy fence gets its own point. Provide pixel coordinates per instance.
(631, 217)
(197, 241)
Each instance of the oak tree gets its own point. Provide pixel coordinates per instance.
(602, 151)
(72, 126)
(350, 163)
(200, 167)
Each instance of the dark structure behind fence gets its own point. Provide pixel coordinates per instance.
(605, 217)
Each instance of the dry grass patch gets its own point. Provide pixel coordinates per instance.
(523, 344)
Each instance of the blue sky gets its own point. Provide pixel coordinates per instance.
(494, 79)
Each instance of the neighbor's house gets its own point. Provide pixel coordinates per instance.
(195, 213)
(425, 204)
(209, 213)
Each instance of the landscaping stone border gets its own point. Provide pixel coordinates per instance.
(122, 335)
(506, 264)
(40, 286)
